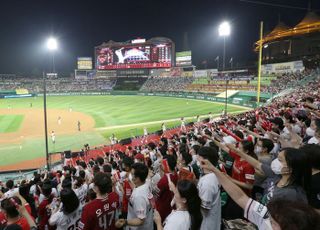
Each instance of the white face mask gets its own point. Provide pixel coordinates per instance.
(276, 166)
(258, 150)
(310, 132)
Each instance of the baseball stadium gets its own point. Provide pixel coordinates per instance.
(197, 115)
(128, 90)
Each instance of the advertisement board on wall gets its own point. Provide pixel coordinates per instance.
(184, 58)
(284, 67)
(84, 63)
(200, 73)
(212, 72)
(135, 72)
(106, 73)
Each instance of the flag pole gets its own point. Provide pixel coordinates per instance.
(259, 63)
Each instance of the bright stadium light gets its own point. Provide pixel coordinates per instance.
(224, 29)
(52, 44)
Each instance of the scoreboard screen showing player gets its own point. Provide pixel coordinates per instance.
(134, 56)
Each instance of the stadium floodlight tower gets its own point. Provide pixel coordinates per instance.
(52, 46)
(224, 31)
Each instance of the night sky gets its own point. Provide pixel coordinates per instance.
(82, 25)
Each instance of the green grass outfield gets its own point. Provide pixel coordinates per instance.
(10, 123)
(125, 116)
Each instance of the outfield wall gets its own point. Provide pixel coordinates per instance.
(241, 101)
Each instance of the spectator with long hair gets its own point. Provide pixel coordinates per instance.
(188, 203)
(313, 153)
(291, 172)
(29, 200)
(184, 165)
(67, 215)
(279, 214)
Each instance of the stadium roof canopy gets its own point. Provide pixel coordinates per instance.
(278, 30)
(309, 24)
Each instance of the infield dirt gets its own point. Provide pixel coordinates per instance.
(33, 123)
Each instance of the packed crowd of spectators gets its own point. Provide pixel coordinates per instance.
(259, 169)
(57, 85)
(288, 80)
(155, 84)
(166, 84)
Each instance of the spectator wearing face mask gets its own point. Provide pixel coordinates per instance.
(263, 150)
(293, 167)
(279, 214)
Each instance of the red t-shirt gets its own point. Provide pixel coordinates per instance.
(23, 223)
(28, 207)
(100, 214)
(126, 196)
(44, 215)
(165, 196)
(186, 174)
(242, 171)
(3, 219)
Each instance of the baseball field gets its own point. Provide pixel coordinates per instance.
(22, 143)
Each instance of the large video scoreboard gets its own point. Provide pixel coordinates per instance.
(135, 54)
